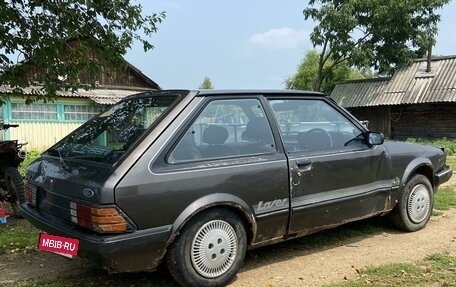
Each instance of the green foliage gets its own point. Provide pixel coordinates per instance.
(451, 161)
(448, 144)
(372, 33)
(445, 198)
(60, 40)
(31, 156)
(435, 270)
(306, 76)
(442, 261)
(392, 269)
(15, 237)
(206, 84)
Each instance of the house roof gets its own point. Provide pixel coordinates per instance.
(151, 83)
(101, 95)
(357, 93)
(409, 85)
(105, 96)
(148, 80)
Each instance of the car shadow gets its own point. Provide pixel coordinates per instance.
(345, 235)
(161, 277)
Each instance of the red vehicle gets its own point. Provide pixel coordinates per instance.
(11, 182)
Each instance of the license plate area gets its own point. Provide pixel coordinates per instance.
(63, 246)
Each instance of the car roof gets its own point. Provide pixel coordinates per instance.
(241, 92)
(257, 91)
(231, 92)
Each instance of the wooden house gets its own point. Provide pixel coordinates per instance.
(418, 101)
(43, 124)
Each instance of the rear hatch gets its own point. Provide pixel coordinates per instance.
(55, 184)
(78, 168)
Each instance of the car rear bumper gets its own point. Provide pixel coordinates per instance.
(129, 252)
(443, 176)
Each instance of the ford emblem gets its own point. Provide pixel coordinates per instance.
(87, 192)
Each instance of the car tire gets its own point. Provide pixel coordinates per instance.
(15, 189)
(209, 250)
(415, 205)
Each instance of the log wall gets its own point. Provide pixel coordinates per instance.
(436, 120)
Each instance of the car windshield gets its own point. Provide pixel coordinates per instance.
(107, 137)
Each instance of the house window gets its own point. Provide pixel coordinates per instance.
(33, 112)
(80, 112)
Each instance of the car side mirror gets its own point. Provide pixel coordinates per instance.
(375, 138)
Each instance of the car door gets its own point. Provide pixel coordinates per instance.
(335, 176)
(223, 152)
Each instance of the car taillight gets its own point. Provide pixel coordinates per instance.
(99, 219)
(30, 195)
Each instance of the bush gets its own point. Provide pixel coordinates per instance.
(448, 144)
(31, 156)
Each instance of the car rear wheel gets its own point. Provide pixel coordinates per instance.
(209, 250)
(414, 208)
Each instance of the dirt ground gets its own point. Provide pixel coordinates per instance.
(285, 264)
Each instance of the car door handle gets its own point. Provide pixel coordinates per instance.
(304, 164)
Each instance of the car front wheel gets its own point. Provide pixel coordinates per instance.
(414, 208)
(209, 250)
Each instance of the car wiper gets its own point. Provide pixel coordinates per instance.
(62, 161)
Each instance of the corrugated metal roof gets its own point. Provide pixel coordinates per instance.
(32, 90)
(105, 96)
(365, 92)
(409, 85)
(100, 96)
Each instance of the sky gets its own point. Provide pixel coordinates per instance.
(253, 44)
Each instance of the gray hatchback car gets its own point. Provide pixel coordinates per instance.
(195, 178)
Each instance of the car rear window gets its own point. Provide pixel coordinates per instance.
(111, 134)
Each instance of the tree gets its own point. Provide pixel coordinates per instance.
(306, 78)
(206, 84)
(380, 34)
(36, 34)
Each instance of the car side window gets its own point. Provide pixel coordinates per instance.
(312, 125)
(224, 129)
